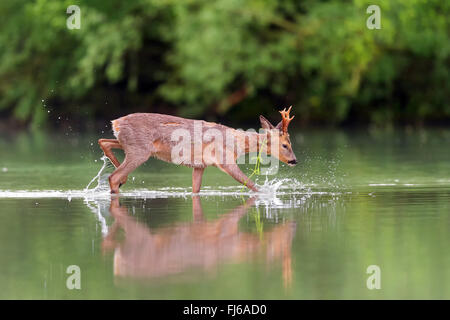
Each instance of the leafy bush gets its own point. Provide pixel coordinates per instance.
(216, 57)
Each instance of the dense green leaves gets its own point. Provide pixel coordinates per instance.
(214, 57)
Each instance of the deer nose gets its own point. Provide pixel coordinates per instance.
(293, 162)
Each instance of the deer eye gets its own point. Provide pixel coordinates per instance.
(285, 146)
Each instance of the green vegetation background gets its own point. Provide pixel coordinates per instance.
(225, 59)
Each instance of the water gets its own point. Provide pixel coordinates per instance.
(355, 199)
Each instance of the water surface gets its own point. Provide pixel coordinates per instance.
(356, 199)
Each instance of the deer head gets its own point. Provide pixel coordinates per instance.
(285, 153)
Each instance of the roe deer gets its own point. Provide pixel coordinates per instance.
(142, 135)
(141, 253)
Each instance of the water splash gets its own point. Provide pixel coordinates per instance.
(283, 185)
(270, 188)
(101, 177)
(100, 209)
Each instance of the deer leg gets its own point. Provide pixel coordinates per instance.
(120, 175)
(197, 175)
(106, 145)
(109, 242)
(234, 171)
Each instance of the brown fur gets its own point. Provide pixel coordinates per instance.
(142, 135)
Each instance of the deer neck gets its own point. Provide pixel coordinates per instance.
(251, 142)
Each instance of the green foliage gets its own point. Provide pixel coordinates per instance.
(201, 57)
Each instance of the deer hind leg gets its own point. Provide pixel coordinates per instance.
(106, 145)
(130, 163)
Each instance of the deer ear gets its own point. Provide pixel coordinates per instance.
(279, 125)
(265, 124)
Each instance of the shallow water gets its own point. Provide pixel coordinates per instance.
(355, 199)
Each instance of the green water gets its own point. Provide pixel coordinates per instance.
(356, 198)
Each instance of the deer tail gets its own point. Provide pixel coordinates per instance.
(115, 127)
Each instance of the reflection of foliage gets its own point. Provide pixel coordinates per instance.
(206, 56)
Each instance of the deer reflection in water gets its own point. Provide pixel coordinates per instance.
(201, 244)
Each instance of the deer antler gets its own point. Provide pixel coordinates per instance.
(286, 119)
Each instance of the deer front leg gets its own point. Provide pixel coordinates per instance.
(234, 171)
(197, 175)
